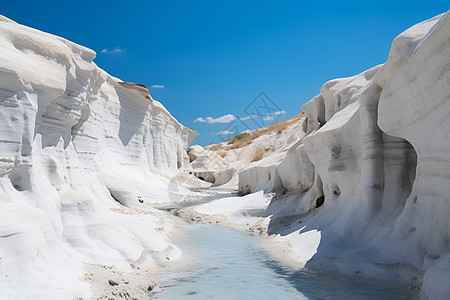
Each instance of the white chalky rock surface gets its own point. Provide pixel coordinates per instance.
(368, 186)
(76, 147)
(365, 175)
(222, 165)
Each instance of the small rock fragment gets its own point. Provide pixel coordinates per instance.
(112, 282)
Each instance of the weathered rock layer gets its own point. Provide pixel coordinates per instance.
(78, 150)
(372, 173)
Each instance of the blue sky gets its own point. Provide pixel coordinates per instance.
(228, 60)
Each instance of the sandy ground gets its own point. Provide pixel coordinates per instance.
(136, 281)
(108, 282)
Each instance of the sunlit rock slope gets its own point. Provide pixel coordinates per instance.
(81, 156)
(366, 190)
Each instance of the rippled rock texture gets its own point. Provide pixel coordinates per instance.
(81, 155)
(371, 176)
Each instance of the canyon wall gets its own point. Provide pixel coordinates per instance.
(82, 154)
(371, 176)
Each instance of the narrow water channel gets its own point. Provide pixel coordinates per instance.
(231, 264)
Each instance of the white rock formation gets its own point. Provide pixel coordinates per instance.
(368, 186)
(205, 163)
(78, 150)
(221, 163)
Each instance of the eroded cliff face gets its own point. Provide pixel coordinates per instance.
(81, 156)
(371, 174)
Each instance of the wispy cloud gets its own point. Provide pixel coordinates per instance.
(224, 132)
(247, 131)
(269, 116)
(223, 119)
(115, 50)
(157, 86)
(280, 112)
(248, 117)
(200, 120)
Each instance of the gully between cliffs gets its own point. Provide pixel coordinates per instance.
(227, 263)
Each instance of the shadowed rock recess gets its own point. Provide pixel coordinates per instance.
(372, 172)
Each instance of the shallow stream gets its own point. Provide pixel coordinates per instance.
(231, 264)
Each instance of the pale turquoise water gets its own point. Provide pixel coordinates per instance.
(230, 264)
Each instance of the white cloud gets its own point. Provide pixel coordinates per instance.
(225, 132)
(115, 50)
(157, 86)
(223, 119)
(280, 112)
(248, 117)
(247, 131)
(268, 118)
